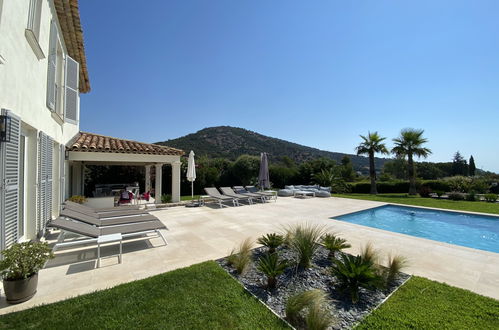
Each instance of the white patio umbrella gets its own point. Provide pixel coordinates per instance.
(191, 172)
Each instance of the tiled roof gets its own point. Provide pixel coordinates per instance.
(69, 19)
(89, 142)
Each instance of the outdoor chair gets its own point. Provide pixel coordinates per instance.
(109, 214)
(215, 194)
(241, 190)
(255, 190)
(227, 191)
(105, 210)
(92, 233)
(94, 221)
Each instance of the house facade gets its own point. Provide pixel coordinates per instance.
(42, 72)
(43, 154)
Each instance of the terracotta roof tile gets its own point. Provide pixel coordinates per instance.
(69, 20)
(90, 142)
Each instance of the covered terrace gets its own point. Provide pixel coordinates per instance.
(93, 149)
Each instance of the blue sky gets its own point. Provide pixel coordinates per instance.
(318, 73)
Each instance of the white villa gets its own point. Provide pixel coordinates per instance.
(42, 151)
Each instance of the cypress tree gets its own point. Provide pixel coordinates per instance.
(471, 166)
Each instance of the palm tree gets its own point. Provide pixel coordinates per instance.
(409, 144)
(371, 145)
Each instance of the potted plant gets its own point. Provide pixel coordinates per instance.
(19, 269)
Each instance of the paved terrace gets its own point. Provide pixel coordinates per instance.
(200, 234)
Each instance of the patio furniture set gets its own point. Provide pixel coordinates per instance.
(249, 194)
(302, 191)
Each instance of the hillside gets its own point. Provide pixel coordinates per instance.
(231, 142)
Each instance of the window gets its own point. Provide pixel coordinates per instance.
(32, 32)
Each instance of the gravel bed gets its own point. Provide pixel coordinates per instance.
(318, 276)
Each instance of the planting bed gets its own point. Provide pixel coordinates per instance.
(319, 276)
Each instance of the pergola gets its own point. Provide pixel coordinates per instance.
(93, 149)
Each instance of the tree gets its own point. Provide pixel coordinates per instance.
(347, 171)
(372, 144)
(459, 166)
(471, 166)
(396, 168)
(410, 144)
(245, 169)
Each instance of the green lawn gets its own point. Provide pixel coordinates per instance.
(188, 198)
(425, 304)
(202, 296)
(429, 202)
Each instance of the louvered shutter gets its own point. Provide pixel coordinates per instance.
(71, 96)
(9, 183)
(62, 172)
(52, 68)
(45, 158)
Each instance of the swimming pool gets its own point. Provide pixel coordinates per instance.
(470, 230)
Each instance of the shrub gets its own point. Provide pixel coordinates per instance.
(370, 254)
(395, 265)
(354, 272)
(456, 196)
(272, 267)
(303, 240)
(312, 300)
(491, 198)
(272, 241)
(77, 199)
(241, 258)
(437, 185)
(166, 198)
(439, 193)
(458, 183)
(22, 260)
(480, 186)
(471, 196)
(334, 244)
(425, 191)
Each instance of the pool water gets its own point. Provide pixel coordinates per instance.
(470, 230)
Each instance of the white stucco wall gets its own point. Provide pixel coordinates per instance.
(23, 77)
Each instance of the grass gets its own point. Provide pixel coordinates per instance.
(202, 296)
(425, 304)
(188, 198)
(428, 202)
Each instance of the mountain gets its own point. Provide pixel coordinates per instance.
(231, 142)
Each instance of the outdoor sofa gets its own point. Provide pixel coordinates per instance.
(316, 189)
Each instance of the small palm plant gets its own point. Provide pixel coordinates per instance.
(395, 264)
(354, 272)
(334, 244)
(272, 241)
(304, 240)
(241, 258)
(311, 300)
(272, 267)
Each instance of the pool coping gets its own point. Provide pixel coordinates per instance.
(445, 244)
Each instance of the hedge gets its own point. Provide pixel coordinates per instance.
(387, 187)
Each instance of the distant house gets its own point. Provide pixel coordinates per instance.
(42, 72)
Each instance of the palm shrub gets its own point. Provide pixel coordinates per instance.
(395, 264)
(334, 244)
(304, 240)
(241, 258)
(272, 267)
(272, 241)
(354, 272)
(313, 301)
